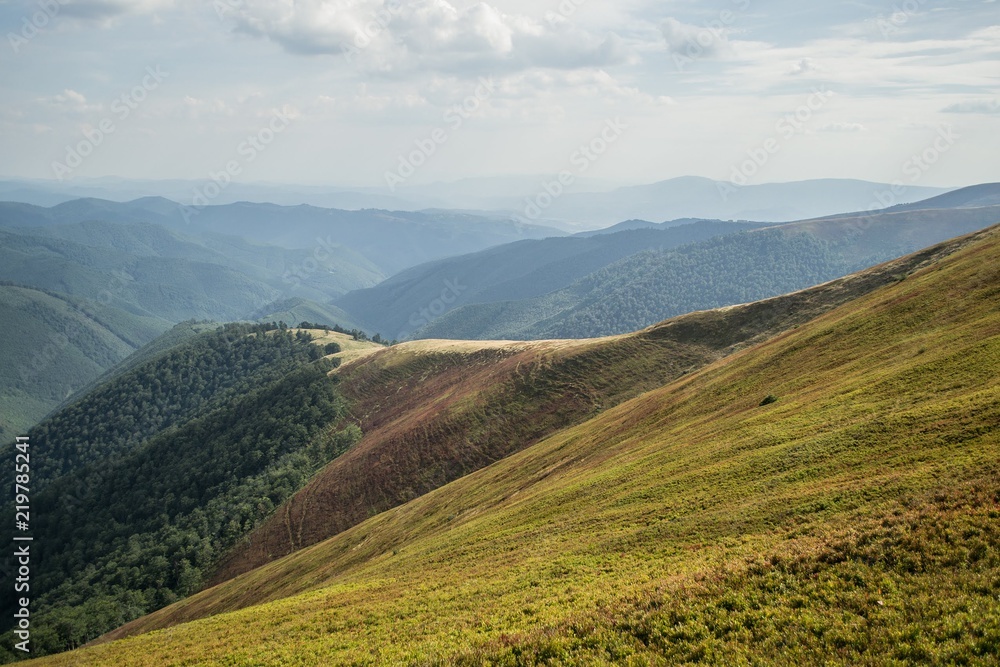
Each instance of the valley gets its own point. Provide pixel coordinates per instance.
(693, 519)
(491, 333)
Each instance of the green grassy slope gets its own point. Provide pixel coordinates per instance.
(432, 411)
(853, 521)
(51, 349)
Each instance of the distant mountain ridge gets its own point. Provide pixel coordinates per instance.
(589, 204)
(696, 197)
(413, 299)
(390, 240)
(647, 287)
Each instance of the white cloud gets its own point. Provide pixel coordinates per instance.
(394, 37)
(842, 127)
(804, 66)
(694, 41)
(102, 10)
(69, 102)
(974, 106)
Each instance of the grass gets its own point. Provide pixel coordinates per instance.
(350, 349)
(689, 524)
(433, 411)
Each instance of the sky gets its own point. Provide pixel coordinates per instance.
(391, 93)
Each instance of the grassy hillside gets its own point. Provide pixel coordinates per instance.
(851, 520)
(648, 287)
(52, 348)
(433, 411)
(409, 300)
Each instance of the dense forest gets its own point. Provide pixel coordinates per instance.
(170, 390)
(147, 481)
(654, 285)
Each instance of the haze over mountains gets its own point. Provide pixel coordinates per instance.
(135, 269)
(496, 333)
(171, 463)
(586, 204)
(147, 264)
(618, 282)
(503, 477)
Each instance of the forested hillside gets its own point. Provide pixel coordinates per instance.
(827, 497)
(653, 285)
(54, 345)
(404, 303)
(140, 486)
(90, 285)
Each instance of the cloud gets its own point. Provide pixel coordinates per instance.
(843, 127)
(102, 10)
(195, 108)
(804, 66)
(69, 102)
(396, 37)
(974, 106)
(693, 41)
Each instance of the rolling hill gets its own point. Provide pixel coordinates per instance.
(401, 305)
(738, 268)
(139, 486)
(986, 194)
(828, 495)
(53, 346)
(136, 280)
(587, 204)
(392, 241)
(438, 410)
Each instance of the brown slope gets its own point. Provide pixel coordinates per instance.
(433, 411)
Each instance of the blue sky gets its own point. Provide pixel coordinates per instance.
(340, 92)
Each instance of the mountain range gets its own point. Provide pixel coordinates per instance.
(807, 478)
(586, 204)
(619, 281)
(133, 270)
